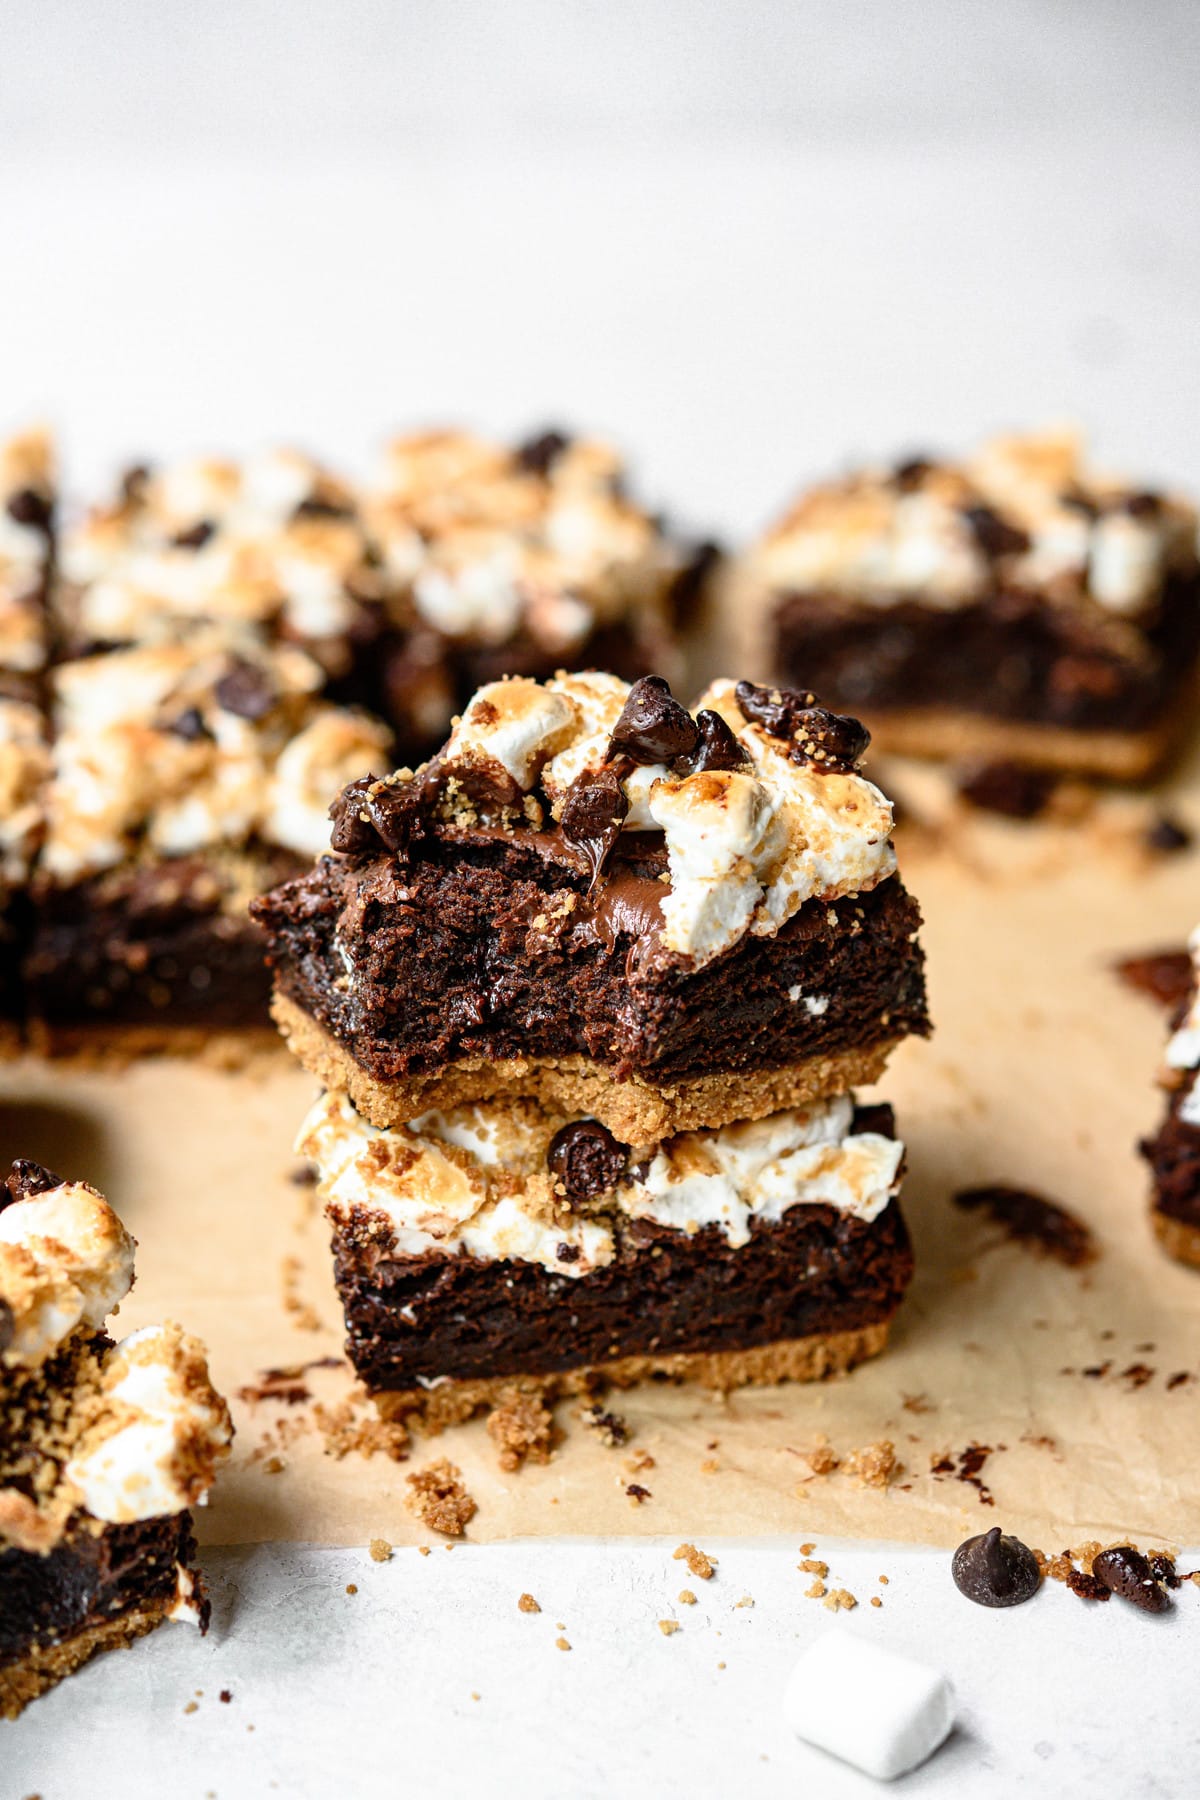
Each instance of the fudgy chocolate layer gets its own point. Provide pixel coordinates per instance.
(92, 1575)
(469, 952)
(815, 1271)
(1013, 656)
(160, 944)
(1174, 1157)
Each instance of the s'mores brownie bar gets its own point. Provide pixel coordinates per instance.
(1174, 1151)
(496, 1248)
(518, 560)
(103, 1446)
(593, 899)
(185, 777)
(27, 503)
(1018, 606)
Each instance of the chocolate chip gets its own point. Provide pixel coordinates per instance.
(653, 727)
(994, 1570)
(316, 506)
(1125, 1571)
(593, 812)
(717, 747)
(1167, 835)
(775, 709)
(1014, 790)
(1146, 505)
(196, 536)
(354, 835)
(27, 1178)
(538, 455)
(994, 535)
(189, 725)
(567, 1253)
(8, 1325)
(830, 741)
(246, 690)
(586, 1158)
(878, 1118)
(910, 473)
(29, 507)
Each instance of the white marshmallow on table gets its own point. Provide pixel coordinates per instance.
(875, 1709)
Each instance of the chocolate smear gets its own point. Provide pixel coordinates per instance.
(30, 507)
(994, 1570)
(1027, 1218)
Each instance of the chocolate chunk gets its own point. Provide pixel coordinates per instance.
(832, 742)
(1168, 835)
(1146, 505)
(1009, 788)
(1162, 1567)
(909, 474)
(1125, 1571)
(994, 1570)
(316, 506)
(775, 709)
(189, 725)
(593, 812)
(717, 747)
(878, 1118)
(354, 835)
(196, 536)
(8, 1326)
(994, 535)
(1165, 975)
(1029, 1219)
(586, 1158)
(27, 1178)
(567, 1253)
(30, 507)
(653, 727)
(246, 690)
(538, 455)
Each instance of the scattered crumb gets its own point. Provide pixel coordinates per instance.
(609, 1427)
(274, 1465)
(354, 1425)
(816, 1591)
(639, 1462)
(381, 1550)
(668, 1627)
(840, 1600)
(561, 1643)
(875, 1600)
(874, 1465)
(811, 1566)
(423, 1549)
(522, 1430)
(686, 1597)
(701, 1566)
(710, 1466)
(807, 1549)
(474, 1695)
(298, 1310)
(527, 1604)
(191, 1707)
(744, 1601)
(638, 1494)
(225, 1696)
(883, 1581)
(966, 1468)
(822, 1460)
(720, 1665)
(916, 1403)
(439, 1499)
(352, 1587)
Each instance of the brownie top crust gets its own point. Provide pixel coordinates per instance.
(120, 1432)
(492, 542)
(203, 741)
(275, 540)
(27, 498)
(509, 1182)
(24, 771)
(1025, 513)
(755, 805)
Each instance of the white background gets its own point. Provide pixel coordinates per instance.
(750, 241)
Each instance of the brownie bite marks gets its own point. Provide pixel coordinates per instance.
(1015, 607)
(103, 1446)
(598, 900)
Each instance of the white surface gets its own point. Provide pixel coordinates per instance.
(751, 240)
(371, 1693)
(876, 1709)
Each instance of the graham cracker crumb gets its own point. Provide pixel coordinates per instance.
(522, 1429)
(274, 1465)
(439, 1499)
(381, 1550)
(875, 1600)
(297, 1308)
(639, 1462)
(353, 1425)
(191, 1707)
(883, 1581)
(811, 1566)
(561, 1643)
(686, 1597)
(710, 1466)
(816, 1591)
(700, 1565)
(874, 1465)
(352, 1587)
(423, 1549)
(610, 1427)
(840, 1600)
(822, 1460)
(744, 1601)
(527, 1604)
(668, 1627)
(807, 1549)
(720, 1665)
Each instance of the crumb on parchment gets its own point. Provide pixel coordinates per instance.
(522, 1429)
(439, 1499)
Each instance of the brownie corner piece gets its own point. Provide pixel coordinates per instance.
(593, 896)
(1173, 1151)
(104, 1447)
(1016, 606)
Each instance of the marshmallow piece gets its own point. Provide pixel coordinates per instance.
(879, 1711)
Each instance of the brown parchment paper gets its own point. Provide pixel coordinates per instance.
(1041, 1073)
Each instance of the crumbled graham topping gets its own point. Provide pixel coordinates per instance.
(702, 1566)
(381, 1550)
(439, 1499)
(527, 1604)
(522, 1428)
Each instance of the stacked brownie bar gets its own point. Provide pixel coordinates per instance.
(1174, 1151)
(1018, 606)
(588, 993)
(103, 1446)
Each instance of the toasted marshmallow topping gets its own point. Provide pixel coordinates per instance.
(276, 539)
(24, 769)
(746, 847)
(27, 480)
(183, 746)
(492, 542)
(476, 1182)
(157, 1432)
(1024, 510)
(65, 1260)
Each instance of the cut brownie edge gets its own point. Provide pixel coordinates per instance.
(45, 1665)
(816, 1357)
(634, 1109)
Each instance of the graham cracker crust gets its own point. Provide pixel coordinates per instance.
(635, 1111)
(45, 1667)
(1177, 1239)
(104, 1045)
(948, 734)
(815, 1358)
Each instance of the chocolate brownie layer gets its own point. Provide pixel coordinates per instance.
(451, 962)
(1012, 657)
(1174, 1157)
(427, 1318)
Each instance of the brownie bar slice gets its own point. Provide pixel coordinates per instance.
(186, 776)
(592, 898)
(496, 1246)
(1018, 606)
(1173, 1153)
(103, 1446)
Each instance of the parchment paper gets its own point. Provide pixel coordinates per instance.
(1041, 1074)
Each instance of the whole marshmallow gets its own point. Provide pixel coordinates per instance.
(879, 1711)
